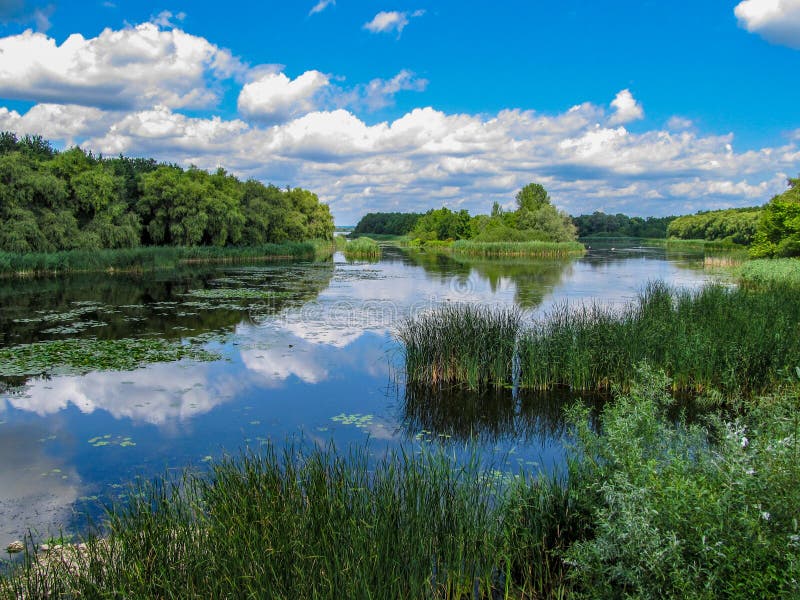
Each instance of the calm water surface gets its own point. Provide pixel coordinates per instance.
(313, 361)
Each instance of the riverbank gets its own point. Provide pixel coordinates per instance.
(150, 258)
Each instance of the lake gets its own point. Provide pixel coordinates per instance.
(288, 351)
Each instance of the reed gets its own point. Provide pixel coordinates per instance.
(738, 341)
(768, 272)
(461, 344)
(735, 340)
(519, 249)
(362, 248)
(153, 257)
(301, 523)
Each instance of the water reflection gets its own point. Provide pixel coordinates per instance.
(37, 488)
(489, 416)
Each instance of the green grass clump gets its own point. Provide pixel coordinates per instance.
(461, 344)
(301, 524)
(82, 355)
(362, 248)
(732, 339)
(153, 257)
(521, 249)
(767, 272)
(736, 340)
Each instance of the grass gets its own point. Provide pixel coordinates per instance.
(153, 257)
(520, 249)
(301, 524)
(770, 271)
(461, 344)
(649, 507)
(736, 340)
(362, 248)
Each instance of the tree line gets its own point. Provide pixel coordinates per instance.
(52, 201)
(535, 219)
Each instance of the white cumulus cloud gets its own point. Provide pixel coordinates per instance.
(388, 21)
(133, 67)
(626, 108)
(777, 21)
(274, 97)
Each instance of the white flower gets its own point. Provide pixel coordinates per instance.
(745, 442)
(750, 472)
(765, 515)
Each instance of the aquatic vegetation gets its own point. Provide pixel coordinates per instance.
(732, 339)
(111, 440)
(237, 293)
(82, 355)
(526, 249)
(767, 272)
(461, 344)
(151, 258)
(357, 419)
(362, 248)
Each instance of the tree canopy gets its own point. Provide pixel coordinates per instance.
(52, 201)
(735, 225)
(778, 232)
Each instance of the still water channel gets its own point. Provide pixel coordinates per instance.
(304, 352)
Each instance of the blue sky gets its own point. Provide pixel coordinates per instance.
(637, 107)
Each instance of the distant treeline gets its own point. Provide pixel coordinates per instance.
(599, 224)
(735, 225)
(387, 223)
(52, 201)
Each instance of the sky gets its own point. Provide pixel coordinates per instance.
(646, 108)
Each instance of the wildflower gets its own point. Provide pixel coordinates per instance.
(750, 472)
(745, 442)
(765, 515)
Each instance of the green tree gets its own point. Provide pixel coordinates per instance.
(778, 231)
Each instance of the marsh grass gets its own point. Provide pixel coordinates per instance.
(153, 257)
(362, 248)
(307, 524)
(461, 344)
(738, 341)
(768, 272)
(519, 249)
(735, 340)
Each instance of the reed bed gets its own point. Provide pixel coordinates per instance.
(732, 340)
(461, 344)
(153, 257)
(519, 249)
(362, 248)
(735, 340)
(308, 524)
(768, 272)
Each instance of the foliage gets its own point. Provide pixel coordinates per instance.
(687, 510)
(152, 257)
(442, 224)
(53, 201)
(535, 220)
(769, 272)
(735, 225)
(599, 224)
(391, 223)
(779, 227)
(362, 248)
